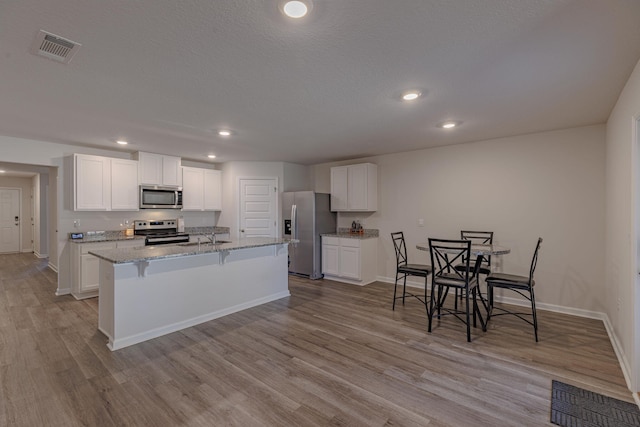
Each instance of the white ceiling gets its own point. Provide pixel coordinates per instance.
(167, 74)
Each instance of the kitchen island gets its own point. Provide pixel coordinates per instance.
(151, 291)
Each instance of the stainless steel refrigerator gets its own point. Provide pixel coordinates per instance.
(307, 214)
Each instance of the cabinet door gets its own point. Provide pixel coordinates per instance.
(124, 185)
(192, 189)
(212, 190)
(150, 168)
(339, 188)
(91, 183)
(357, 187)
(171, 171)
(330, 260)
(89, 273)
(350, 262)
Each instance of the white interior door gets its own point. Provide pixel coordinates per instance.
(9, 220)
(258, 207)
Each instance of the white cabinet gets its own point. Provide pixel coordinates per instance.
(104, 183)
(124, 185)
(158, 169)
(354, 188)
(86, 267)
(349, 260)
(212, 190)
(201, 189)
(91, 183)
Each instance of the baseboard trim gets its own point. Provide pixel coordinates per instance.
(39, 255)
(60, 292)
(53, 267)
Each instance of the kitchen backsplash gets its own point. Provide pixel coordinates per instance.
(371, 232)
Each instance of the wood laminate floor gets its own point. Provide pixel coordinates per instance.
(331, 354)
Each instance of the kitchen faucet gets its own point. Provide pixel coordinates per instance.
(212, 238)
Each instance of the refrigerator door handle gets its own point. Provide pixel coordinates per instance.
(294, 222)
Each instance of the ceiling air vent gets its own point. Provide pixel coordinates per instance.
(54, 47)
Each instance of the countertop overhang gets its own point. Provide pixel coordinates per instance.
(148, 253)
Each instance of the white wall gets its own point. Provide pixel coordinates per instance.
(623, 296)
(296, 177)
(547, 184)
(24, 184)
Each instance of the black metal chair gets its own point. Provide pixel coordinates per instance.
(523, 285)
(478, 238)
(445, 255)
(404, 269)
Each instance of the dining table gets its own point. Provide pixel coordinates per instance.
(479, 250)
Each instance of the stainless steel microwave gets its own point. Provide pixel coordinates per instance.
(160, 197)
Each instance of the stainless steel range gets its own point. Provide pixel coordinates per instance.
(159, 231)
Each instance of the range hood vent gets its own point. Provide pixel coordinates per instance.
(54, 47)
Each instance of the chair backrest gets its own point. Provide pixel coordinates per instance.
(400, 247)
(534, 260)
(479, 237)
(446, 254)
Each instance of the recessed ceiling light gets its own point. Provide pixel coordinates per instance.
(295, 9)
(211, 156)
(122, 142)
(2, 171)
(224, 132)
(410, 96)
(449, 124)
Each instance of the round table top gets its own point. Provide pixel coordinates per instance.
(476, 249)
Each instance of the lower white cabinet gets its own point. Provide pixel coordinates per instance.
(349, 260)
(86, 267)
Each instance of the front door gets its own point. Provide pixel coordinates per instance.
(9, 220)
(258, 207)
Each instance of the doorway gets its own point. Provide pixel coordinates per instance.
(258, 207)
(10, 219)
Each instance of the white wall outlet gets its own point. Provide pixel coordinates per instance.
(421, 222)
(76, 223)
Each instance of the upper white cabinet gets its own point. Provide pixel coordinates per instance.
(104, 184)
(354, 187)
(91, 183)
(124, 185)
(212, 190)
(202, 189)
(158, 169)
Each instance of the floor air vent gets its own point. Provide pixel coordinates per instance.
(54, 47)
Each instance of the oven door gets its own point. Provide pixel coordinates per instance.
(157, 197)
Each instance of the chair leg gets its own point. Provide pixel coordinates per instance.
(426, 302)
(395, 287)
(404, 289)
(431, 307)
(535, 317)
(466, 300)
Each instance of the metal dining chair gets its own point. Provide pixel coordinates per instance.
(404, 269)
(523, 285)
(445, 256)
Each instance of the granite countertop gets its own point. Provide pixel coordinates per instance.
(206, 230)
(368, 233)
(147, 253)
(105, 236)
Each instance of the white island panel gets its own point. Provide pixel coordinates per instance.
(147, 299)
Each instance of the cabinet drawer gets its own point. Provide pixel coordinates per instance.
(86, 247)
(334, 241)
(350, 243)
